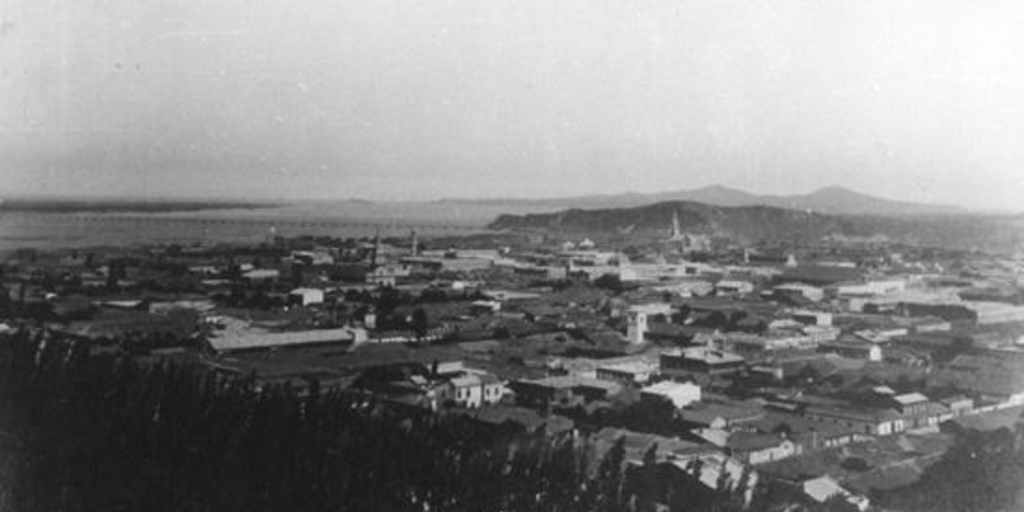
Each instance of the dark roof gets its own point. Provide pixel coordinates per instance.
(995, 420)
(753, 441)
(527, 418)
(819, 274)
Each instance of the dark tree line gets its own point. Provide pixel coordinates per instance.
(103, 432)
(982, 472)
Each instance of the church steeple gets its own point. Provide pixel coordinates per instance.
(676, 232)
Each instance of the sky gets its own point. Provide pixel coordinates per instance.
(398, 99)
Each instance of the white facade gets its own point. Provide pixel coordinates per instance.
(680, 394)
(307, 296)
(732, 287)
(637, 326)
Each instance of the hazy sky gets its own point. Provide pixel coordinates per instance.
(424, 99)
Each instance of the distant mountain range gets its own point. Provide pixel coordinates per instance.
(752, 224)
(836, 200)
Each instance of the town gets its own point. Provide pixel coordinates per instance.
(836, 372)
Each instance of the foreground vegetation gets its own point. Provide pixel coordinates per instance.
(81, 431)
(100, 432)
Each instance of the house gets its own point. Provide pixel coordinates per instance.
(679, 394)
(306, 296)
(476, 389)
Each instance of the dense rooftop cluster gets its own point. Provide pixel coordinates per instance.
(837, 372)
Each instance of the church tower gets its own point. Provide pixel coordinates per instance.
(676, 232)
(636, 326)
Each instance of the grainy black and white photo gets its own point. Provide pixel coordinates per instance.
(511, 256)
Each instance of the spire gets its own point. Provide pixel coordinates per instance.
(676, 234)
(415, 244)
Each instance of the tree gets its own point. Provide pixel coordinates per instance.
(608, 484)
(419, 322)
(647, 485)
(610, 282)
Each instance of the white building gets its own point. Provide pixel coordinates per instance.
(261, 274)
(871, 288)
(306, 296)
(680, 394)
(473, 390)
(812, 293)
(734, 287)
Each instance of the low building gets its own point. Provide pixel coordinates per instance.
(244, 340)
(387, 275)
(808, 317)
(988, 313)
(757, 448)
(733, 287)
(306, 296)
(958, 405)
(628, 372)
(824, 488)
(879, 422)
(261, 275)
(870, 288)
(680, 394)
(562, 391)
(853, 347)
(700, 360)
(720, 416)
(808, 292)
